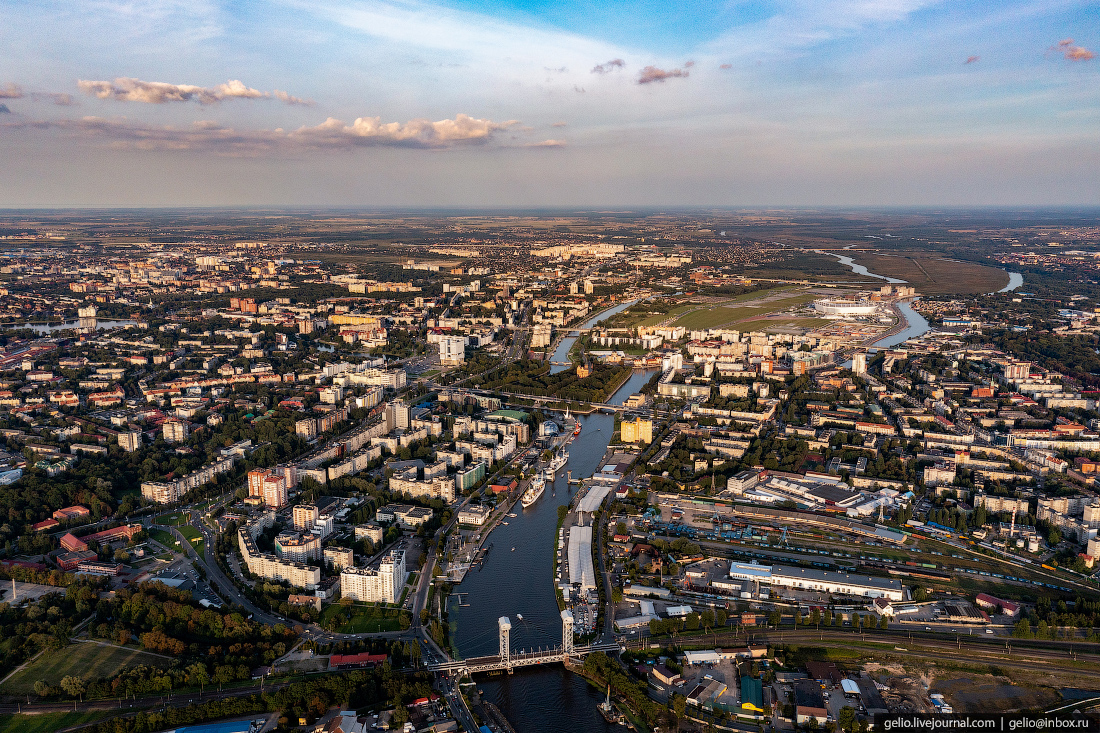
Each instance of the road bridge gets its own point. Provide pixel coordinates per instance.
(507, 661)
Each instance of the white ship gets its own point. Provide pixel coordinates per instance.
(534, 491)
(559, 460)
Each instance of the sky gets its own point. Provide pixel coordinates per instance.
(533, 103)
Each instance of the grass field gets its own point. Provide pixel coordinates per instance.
(87, 660)
(172, 520)
(662, 317)
(165, 538)
(361, 621)
(931, 275)
(193, 536)
(724, 315)
(48, 722)
(796, 322)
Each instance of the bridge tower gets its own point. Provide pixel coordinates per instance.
(505, 642)
(567, 634)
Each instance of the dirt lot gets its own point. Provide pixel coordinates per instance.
(989, 694)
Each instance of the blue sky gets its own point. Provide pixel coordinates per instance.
(538, 103)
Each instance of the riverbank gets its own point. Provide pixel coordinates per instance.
(899, 327)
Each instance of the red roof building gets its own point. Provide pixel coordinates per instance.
(71, 512)
(353, 661)
(72, 543)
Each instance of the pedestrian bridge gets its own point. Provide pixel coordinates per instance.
(507, 661)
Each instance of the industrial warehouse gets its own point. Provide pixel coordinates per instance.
(810, 579)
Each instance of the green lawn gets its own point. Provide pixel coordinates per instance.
(662, 317)
(87, 660)
(723, 315)
(165, 538)
(48, 722)
(364, 619)
(193, 536)
(172, 520)
(798, 322)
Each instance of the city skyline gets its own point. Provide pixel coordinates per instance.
(523, 104)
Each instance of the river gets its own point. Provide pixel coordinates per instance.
(561, 354)
(51, 327)
(1015, 280)
(917, 325)
(521, 581)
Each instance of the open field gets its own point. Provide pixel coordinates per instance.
(48, 722)
(193, 537)
(175, 519)
(770, 323)
(662, 317)
(86, 659)
(362, 619)
(165, 538)
(932, 275)
(752, 309)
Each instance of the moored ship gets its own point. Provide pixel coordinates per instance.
(534, 491)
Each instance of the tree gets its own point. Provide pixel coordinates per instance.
(73, 686)
(679, 707)
(1022, 629)
(846, 719)
(41, 688)
(884, 623)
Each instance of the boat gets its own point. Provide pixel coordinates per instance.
(608, 711)
(519, 616)
(559, 460)
(513, 549)
(534, 491)
(577, 430)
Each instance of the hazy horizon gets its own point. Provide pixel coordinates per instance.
(521, 104)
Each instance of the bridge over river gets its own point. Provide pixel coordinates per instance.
(507, 661)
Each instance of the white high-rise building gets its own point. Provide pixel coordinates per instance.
(372, 585)
(541, 335)
(129, 441)
(859, 362)
(175, 431)
(452, 350)
(401, 415)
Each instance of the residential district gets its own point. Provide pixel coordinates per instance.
(251, 484)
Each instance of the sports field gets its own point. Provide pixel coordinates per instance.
(85, 659)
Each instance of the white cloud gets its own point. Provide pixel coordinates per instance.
(368, 131)
(292, 100)
(332, 134)
(128, 89)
